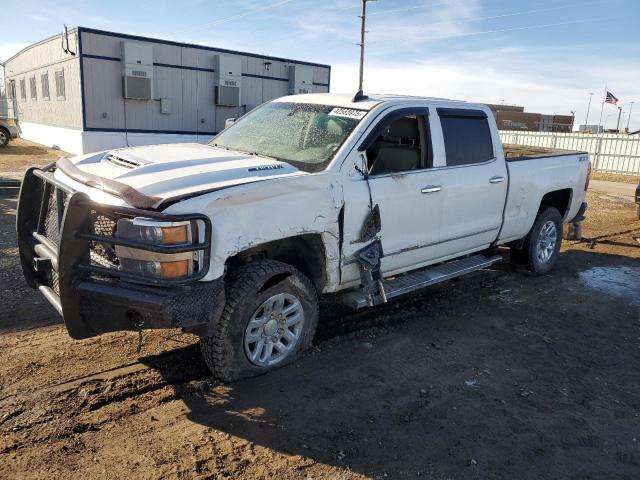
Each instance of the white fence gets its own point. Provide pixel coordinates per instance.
(609, 152)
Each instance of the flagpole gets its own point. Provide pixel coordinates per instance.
(602, 109)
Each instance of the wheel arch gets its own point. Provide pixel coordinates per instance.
(305, 252)
(558, 199)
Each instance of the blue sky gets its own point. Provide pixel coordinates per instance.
(544, 54)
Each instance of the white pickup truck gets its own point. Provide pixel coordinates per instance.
(306, 195)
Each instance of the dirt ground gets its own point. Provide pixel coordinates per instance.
(496, 375)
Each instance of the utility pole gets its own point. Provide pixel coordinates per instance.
(619, 115)
(586, 122)
(629, 119)
(363, 18)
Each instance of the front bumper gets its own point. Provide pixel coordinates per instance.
(66, 245)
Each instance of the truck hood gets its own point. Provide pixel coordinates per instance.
(178, 170)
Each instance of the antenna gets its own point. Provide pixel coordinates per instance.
(359, 95)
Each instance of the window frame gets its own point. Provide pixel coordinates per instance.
(384, 121)
(64, 87)
(23, 89)
(475, 113)
(46, 93)
(33, 88)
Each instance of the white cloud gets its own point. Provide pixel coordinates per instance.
(491, 77)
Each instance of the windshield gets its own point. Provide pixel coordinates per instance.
(304, 135)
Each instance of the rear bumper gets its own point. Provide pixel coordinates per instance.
(58, 231)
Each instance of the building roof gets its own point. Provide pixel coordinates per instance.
(169, 42)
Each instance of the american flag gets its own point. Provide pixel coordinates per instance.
(611, 98)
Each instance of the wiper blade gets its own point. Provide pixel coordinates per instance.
(256, 154)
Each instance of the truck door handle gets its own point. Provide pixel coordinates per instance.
(431, 189)
(496, 179)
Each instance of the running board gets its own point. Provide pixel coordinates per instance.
(416, 280)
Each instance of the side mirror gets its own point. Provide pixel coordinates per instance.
(229, 121)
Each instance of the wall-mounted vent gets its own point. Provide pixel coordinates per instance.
(228, 96)
(121, 162)
(137, 70)
(300, 79)
(228, 77)
(137, 88)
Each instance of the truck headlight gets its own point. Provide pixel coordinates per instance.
(153, 264)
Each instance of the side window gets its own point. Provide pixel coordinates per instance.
(403, 144)
(23, 89)
(33, 88)
(467, 138)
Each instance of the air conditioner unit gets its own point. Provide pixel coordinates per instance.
(228, 77)
(300, 79)
(137, 70)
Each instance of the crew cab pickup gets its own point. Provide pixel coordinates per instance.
(303, 196)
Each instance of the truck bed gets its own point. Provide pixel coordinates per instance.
(514, 153)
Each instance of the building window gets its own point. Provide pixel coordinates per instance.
(44, 79)
(60, 84)
(32, 85)
(23, 89)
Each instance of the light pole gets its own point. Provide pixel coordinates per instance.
(361, 44)
(629, 119)
(586, 122)
(619, 115)
(573, 120)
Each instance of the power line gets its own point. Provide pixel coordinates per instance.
(512, 29)
(406, 9)
(504, 15)
(234, 17)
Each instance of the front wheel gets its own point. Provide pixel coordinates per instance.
(270, 317)
(542, 245)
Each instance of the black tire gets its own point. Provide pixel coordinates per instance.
(247, 288)
(5, 137)
(528, 254)
(638, 211)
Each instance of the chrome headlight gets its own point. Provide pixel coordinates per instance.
(154, 264)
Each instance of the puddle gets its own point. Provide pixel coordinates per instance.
(619, 281)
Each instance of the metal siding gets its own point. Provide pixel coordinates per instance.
(47, 57)
(182, 78)
(104, 105)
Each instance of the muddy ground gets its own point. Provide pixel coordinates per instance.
(496, 375)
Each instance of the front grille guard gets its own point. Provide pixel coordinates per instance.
(67, 261)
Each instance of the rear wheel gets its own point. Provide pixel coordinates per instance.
(542, 245)
(4, 137)
(270, 317)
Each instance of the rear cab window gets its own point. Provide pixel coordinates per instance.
(467, 136)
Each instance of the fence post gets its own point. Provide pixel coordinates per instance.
(596, 164)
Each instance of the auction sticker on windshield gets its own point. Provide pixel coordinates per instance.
(347, 112)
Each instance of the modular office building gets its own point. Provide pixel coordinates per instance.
(90, 90)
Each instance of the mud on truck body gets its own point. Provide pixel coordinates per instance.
(307, 195)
